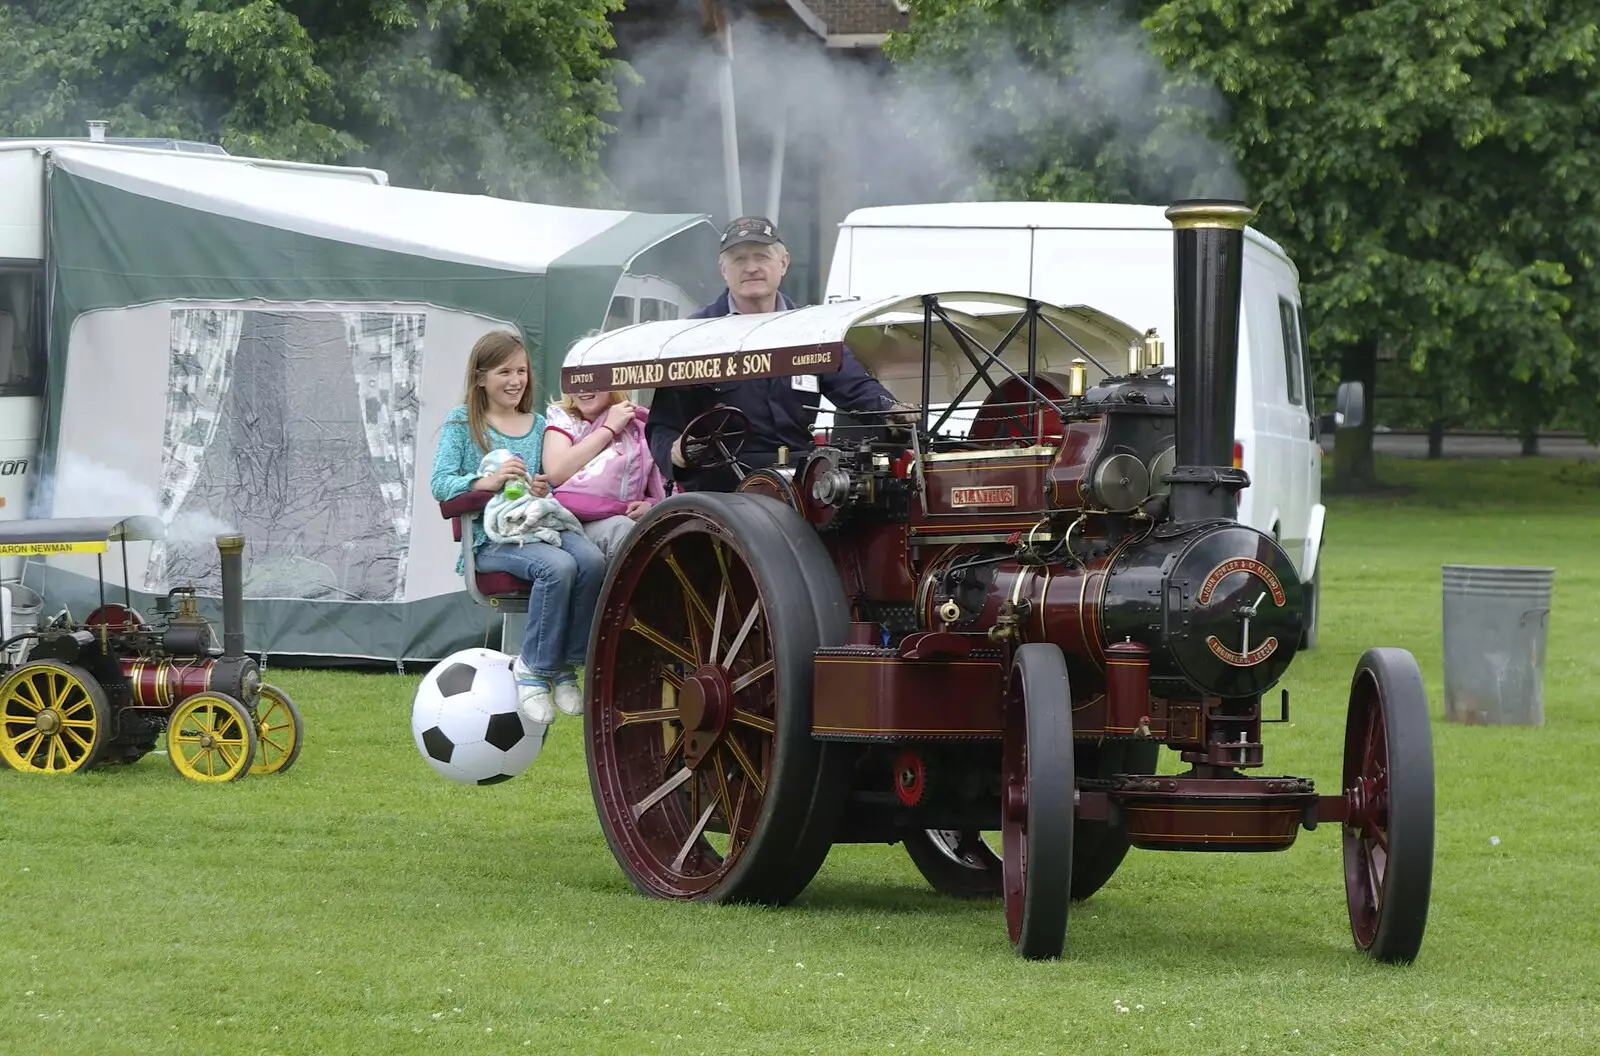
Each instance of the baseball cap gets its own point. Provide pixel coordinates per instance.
(749, 229)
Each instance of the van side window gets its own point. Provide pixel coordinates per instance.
(652, 309)
(1305, 360)
(1293, 373)
(21, 335)
(621, 313)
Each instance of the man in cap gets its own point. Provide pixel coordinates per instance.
(781, 411)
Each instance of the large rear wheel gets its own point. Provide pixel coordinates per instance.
(836, 760)
(1388, 785)
(698, 729)
(1037, 801)
(54, 719)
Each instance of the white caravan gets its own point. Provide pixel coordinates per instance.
(1118, 258)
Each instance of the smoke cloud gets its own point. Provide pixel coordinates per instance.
(82, 487)
(960, 125)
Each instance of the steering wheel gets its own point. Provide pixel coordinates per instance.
(714, 439)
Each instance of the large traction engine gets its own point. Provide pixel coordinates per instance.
(920, 637)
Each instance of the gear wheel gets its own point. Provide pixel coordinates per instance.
(910, 777)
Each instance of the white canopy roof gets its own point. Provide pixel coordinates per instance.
(1043, 216)
(462, 228)
(885, 336)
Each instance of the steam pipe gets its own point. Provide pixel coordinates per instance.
(1208, 262)
(231, 547)
(780, 137)
(730, 129)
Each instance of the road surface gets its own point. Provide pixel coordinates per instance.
(1469, 445)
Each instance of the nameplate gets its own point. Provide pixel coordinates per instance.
(701, 370)
(991, 496)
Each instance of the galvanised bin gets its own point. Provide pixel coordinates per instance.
(1496, 619)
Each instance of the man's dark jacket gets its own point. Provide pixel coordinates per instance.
(779, 413)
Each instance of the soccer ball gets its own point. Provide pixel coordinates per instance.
(465, 721)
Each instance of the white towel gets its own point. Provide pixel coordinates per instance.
(519, 520)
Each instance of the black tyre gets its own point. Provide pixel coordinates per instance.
(1388, 784)
(1037, 794)
(1098, 848)
(699, 704)
(958, 863)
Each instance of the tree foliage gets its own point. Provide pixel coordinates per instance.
(1430, 165)
(498, 96)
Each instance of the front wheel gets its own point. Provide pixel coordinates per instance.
(211, 738)
(1388, 787)
(1037, 801)
(1098, 847)
(279, 730)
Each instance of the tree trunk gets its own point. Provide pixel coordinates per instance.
(1530, 417)
(1352, 448)
(1436, 438)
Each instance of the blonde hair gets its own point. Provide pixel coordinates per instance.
(568, 402)
(490, 352)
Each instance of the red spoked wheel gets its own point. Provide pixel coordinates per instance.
(698, 729)
(117, 618)
(1037, 801)
(1388, 786)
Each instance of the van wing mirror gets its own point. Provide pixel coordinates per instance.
(1349, 408)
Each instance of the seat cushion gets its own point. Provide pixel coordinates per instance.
(502, 584)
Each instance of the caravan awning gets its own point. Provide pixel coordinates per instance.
(471, 229)
(135, 227)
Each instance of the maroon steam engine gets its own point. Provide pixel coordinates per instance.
(920, 638)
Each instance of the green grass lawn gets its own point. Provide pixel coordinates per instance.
(360, 903)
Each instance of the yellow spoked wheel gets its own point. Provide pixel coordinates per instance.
(211, 737)
(54, 718)
(278, 732)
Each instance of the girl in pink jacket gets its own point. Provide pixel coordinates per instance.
(596, 456)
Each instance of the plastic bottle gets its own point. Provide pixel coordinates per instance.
(515, 490)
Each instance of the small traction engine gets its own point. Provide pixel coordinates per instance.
(104, 691)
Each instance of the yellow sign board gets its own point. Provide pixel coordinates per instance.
(96, 546)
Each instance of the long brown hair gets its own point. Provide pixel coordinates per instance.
(490, 352)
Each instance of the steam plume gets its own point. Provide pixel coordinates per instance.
(82, 487)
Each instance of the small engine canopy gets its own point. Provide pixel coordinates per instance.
(75, 535)
(886, 336)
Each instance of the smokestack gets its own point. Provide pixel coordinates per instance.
(231, 547)
(1208, 261)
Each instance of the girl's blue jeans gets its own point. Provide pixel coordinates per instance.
(566, 587)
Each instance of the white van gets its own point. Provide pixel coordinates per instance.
(1118, 258)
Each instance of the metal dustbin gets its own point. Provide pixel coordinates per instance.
(1495, 623)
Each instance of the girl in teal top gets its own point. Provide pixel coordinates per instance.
(565, 580)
